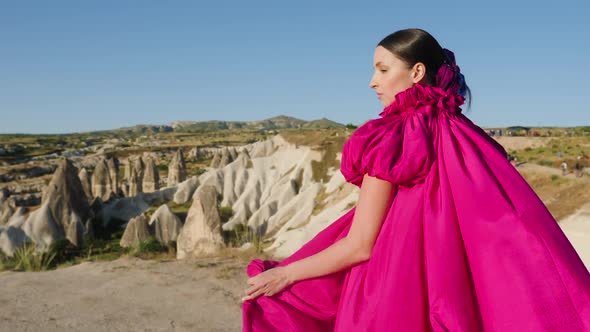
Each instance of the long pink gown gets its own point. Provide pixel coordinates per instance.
(466, 244)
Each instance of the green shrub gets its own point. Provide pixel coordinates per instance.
(180, 210)
(351, 126)
(27, 258)
(242, 234)
(200, 171)
(152, 249)
(151, 244)
(6, 263)
(225, 213)
(63, 250)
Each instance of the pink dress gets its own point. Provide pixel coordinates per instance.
(466, 244)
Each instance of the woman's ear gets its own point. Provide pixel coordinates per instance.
(418, 72)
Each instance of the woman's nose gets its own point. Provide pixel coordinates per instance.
(372, 84)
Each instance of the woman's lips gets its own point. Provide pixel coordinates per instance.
(379, 95)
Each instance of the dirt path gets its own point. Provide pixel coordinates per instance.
(520, 142)
(125, 295)
(577, 229)
(529, 167)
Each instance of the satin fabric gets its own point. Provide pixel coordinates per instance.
(466, 244)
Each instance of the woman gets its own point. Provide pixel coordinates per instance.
(446, 234)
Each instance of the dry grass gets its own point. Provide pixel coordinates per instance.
(314, 137)
(229, 254)
(327, 141)
(544, 150)
(562, 196)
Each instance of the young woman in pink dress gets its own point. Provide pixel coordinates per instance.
(446, 234)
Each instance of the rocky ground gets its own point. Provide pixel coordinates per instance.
(127, 294)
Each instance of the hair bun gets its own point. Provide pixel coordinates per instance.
(449, 76)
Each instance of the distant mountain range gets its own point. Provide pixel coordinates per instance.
(277, 122)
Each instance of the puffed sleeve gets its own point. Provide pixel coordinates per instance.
(398, 149)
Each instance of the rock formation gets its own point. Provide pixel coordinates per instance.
(197, 153)
(139, 167)
(233, 153)
(86, 183)
(137, 231)
(127, 169)
(19, 217)
(216, 160)
(42, 227)
(11, 239)
(226, 158)
(185, 190)
(151, 178)
(134, 182)
(176, 169)
(166, 225)
(113, 166)
(7, 208)
(270, 187)
(67, 202)
(201, 233)
(102, 185)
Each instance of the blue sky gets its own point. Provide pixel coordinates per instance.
(68, 66)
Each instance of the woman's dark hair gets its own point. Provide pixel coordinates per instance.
(416, 45)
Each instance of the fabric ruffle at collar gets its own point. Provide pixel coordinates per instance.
(425, 99)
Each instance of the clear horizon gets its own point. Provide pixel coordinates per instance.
(77, 67)
(159, 124)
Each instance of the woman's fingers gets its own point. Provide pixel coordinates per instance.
(253, 280)
(254, 288)
(266, 283)
(266, 290)
(259, 278)
(255, 294)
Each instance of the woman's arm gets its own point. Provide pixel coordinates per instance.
(374, 199)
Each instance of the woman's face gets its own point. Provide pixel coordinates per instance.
(391, 75)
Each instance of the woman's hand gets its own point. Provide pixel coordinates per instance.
(268, 282)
